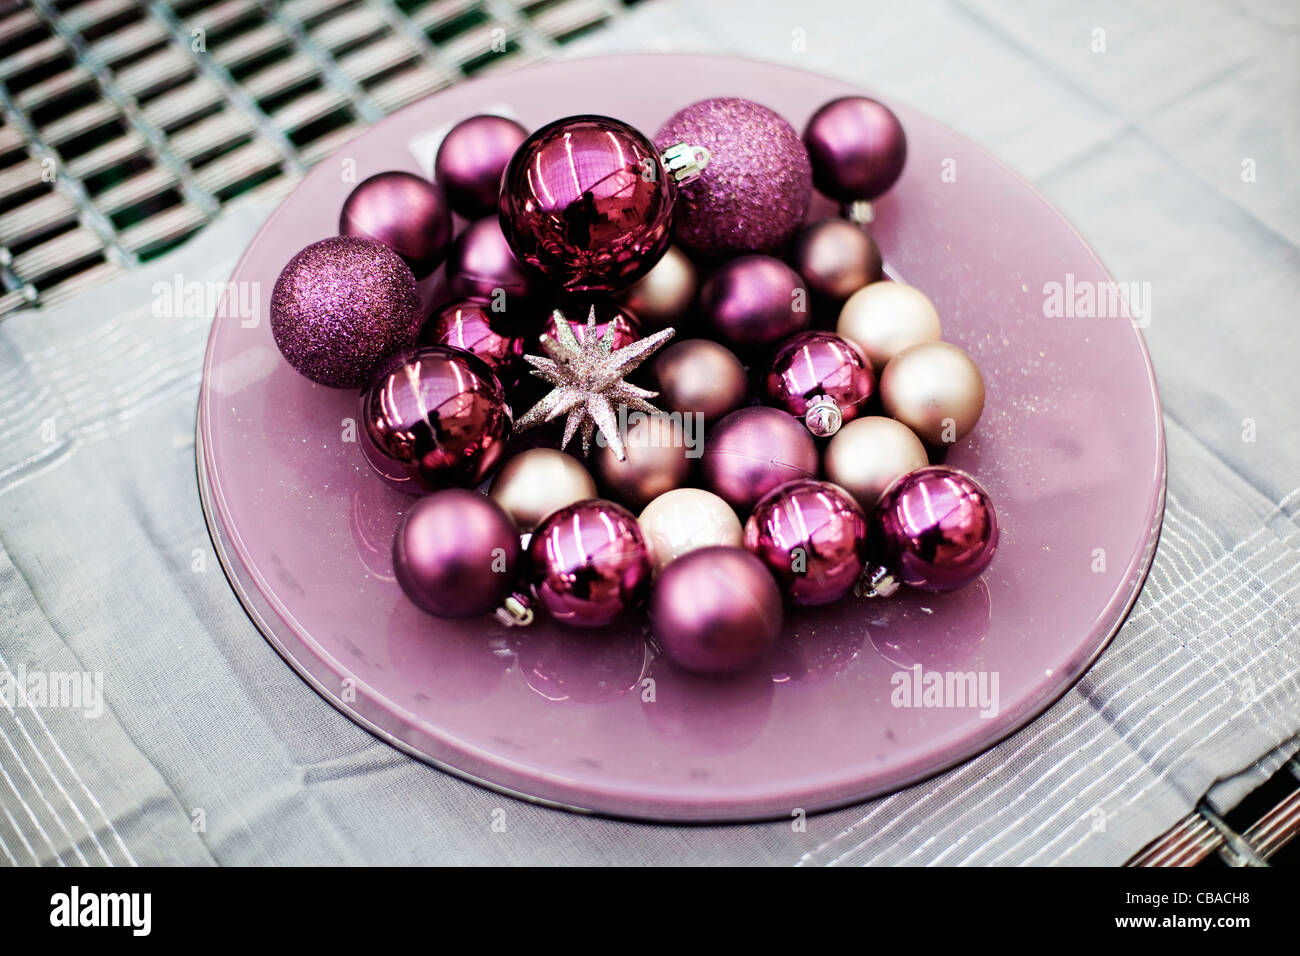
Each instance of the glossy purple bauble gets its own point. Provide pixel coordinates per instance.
(626, 327)
(752, 451)
(586, 203)
(434, 417)
(857, 148)
(340, 307)
(936, 528)
(456, 553)
(589, 563)
(754, 193)
(822, 378)
(471, 159)
(715, 610)
(405, 212)
(468, 326)
(480, 266)
(754, 301)
(812, 536)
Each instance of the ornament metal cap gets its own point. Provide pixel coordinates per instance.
(823, 417)
(860, 211)
(516, 611)
(877, 581)
(685, 163)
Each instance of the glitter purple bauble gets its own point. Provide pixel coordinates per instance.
(341, 306)
(405, 212)
(754, 193)
(715, 610)
(936, 528)
(456, 553)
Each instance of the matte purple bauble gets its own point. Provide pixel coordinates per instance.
(812, 536)
(715, 610)
(754, 301)
(471, 159)
(857, 148)
(434, 417)
(822, 378)
(341, 306)
(467, 325)
(936, 528)
(754, 450)
(754, 192)
(586, 203)
(480, 266)
(456, 553)
(405, 212)
(588, 563)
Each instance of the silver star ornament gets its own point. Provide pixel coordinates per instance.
(588, 379)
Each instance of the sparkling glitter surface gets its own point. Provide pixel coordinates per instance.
(754, 193)
(341, 306)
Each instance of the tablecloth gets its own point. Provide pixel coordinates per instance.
(1169, 133)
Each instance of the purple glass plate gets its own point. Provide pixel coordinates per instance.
(1070, 447)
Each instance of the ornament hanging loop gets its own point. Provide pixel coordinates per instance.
(685, 163)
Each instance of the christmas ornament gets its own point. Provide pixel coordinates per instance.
(405, 212)
(456, 553)
(665, 294)
(471, 159)
(588, 382)
(754, 450)
(684, 520)
(934, 529)
(433, 417)
(536, 482)
(481, 266)
(715, 611)
(587, 202)
(588, 563)
(466, 325)
(835, 258)
(885, 317)
(700, 377)
(812, 536)
(868, 453)
(340, 307)
(857, 149)
(626, 328)
(821, 378)
(755, 190)
(935, 389)
(754, 301)
(654, 461)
